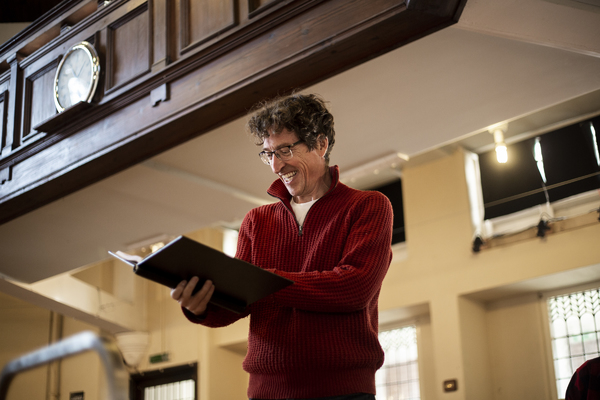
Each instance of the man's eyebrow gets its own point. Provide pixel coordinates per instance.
(278, 147)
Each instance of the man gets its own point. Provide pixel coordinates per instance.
(585, 382)
(317, 338)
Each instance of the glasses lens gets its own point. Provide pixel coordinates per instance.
(265, 157)
(285, 153)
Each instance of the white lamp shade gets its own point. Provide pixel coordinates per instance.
(133, 346)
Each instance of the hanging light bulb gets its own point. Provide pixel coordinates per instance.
(501, 151)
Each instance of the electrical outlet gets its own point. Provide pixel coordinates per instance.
(450, 385)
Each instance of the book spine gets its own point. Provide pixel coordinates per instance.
(164, 279)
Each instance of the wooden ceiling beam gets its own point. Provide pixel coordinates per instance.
(171, 74)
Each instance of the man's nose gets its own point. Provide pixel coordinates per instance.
(276, 164)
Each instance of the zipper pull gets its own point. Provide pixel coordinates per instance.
(300, 230)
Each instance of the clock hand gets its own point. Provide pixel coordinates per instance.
(80, 69)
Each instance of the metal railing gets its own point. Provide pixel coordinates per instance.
(117, 377)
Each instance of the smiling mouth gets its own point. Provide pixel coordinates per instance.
(287, 178)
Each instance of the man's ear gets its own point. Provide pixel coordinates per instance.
(323, 143)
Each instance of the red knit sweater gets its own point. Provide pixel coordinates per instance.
(318, 337)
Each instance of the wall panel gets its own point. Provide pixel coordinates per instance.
(40, 98)
(129, 54)
(203, 20)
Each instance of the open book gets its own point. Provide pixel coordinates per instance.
(237, 283)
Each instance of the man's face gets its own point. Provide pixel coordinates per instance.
(303, 173)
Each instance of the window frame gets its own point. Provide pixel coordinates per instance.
(416, 322)
(140, 381)
(545, 319)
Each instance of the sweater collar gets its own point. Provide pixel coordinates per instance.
(278, 190)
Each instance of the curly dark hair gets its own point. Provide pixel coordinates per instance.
(304, 114)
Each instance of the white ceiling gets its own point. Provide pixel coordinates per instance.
(532, 63)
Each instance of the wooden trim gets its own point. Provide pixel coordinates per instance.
(5, 77)
(160, 16)
(40, 23)
(4, 102)
(14, 103)
(57, 121)
(69, 36)
(184, 23)
(254, 9)
(5, 175)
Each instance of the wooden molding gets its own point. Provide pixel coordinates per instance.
(14, 103)
(5, 175)
(255, 7)
(3, 115)
(60, 120)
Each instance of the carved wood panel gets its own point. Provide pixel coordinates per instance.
(39, 98)
(203, 20)
(129, 49)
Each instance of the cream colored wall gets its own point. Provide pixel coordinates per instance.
(476, 342)
(24, 328)
(517, 349)
(82, 372)
(8, 30)
(426, 357)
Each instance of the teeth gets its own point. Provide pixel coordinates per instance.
(288, 177)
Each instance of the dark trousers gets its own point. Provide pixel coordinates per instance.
(355, 396)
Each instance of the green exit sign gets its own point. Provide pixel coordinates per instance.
(157, 358)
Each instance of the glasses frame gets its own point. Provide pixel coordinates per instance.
(267, 156)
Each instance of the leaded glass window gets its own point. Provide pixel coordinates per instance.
(575, 330)
(174, 383)
(398, 378)
(183, 390)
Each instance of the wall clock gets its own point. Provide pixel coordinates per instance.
(77, 76)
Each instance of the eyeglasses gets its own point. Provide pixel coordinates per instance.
(283, 153)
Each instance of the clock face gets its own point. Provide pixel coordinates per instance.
(77, 76)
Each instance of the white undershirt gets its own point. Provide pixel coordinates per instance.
(300, 210)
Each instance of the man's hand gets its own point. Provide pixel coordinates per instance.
(196, 303)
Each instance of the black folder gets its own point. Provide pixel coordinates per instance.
(237, 283)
